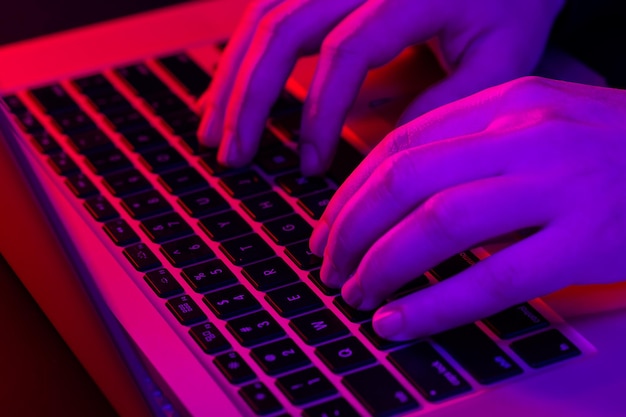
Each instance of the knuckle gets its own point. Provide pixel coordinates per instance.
(337, 48)
(499, 281)
(441, 217)
(397, 173)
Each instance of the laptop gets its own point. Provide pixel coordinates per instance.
(186, 288)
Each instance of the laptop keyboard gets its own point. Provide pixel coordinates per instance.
(225, 252)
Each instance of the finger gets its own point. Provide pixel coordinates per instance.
(372, 35)
(498, 282)
(287, 31)
(213, 102)
(397, 187)
(451, 221)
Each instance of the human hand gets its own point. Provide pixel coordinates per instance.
(532, 154)
(481, 42)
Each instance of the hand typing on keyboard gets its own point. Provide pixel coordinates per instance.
(535, 155)
(480, 42)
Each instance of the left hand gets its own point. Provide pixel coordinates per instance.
(531, 153)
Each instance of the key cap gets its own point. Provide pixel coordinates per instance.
(100, 209)
(314, 276)
(108, 161)
(244, 184)
(226, 225)
(163, 283)
(143, 139)
(277, 160)
(454, 265)
(74, 122)
(120, 232)
(210, 164)
(166, 227)
(318, 327)
(270, 273)
(381, 344)
(203, 202)
(515, 321)
(385, 397)
(182, 181)
(182, 122)
(14, 103)
(187, 72)
(304, 386)
(165, 102)
(90, 141)
(279, 357)
(185, 251)
(209, 338)
(354, 315)
(141, 257)
(54, 99)
(416, 284)
(293, 299)
(29, 122)
(255, 328)
(296, 185)
(110, 102)
(260, 399)
(93, 84)
(141, 79)
(208, 276)
(478, 354)
(345, 355)
(162, 159)
(145, 204)
(302, 256)
(287, 230)
(127, 119)
(126, 182)
(185, 310)
(45, 143)
(266, 206)
(545, 348)
(429, 372)
(333, 408)
(63, 164)
(315, 204)
(246, 249)
(80, 185)
(230, 302)
(234, 368)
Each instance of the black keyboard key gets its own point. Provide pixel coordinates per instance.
(203, 202)
(62, 164)
(165, 102)
(315, 204)
(90, 141)
(145, 204)
(127, 119)
(545, 348)
(266, 206)
(287, 230)
(296, 185)
(45, 143)
(142, 79)
(293, 299)
(210, 164)
(126, 182)
(166, 227)
(345, 161)
(345, 355)
(277, 160)
(209, 338)
(110, 102)
(208, 276)
(163, 283)
(318, 327)
(226, 225)
(337, 408)
(314, 276)
(29, 122)
(305, 386)
(385, 397)
(302, 256)
(108, 161)
(234, 368)
(143, 139)
(279, 357)
(255, 328)
(74, 122)
(187, 250)
(192, 145)
(412, 286)
(260, 399)
(162, 159)
(478, 354)
(100, 208)
(141, 257)
(515, 321)
(270, 273)
(54, 99)
(244, 184)
(381, 344)
(429, 372)
(81, 186)
(232, 301)
(454, 265)
(182, 122)
(185, 309)
(120, 232)
(93, 84)
(246, 249)
(185, 70)
(182, 181)
(354, 315)
(14, 103)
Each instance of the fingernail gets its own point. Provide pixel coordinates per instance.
(352, 293)
(388, 322)
(317, 242)
(309, 160)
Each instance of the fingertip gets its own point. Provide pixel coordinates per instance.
(209, 131)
